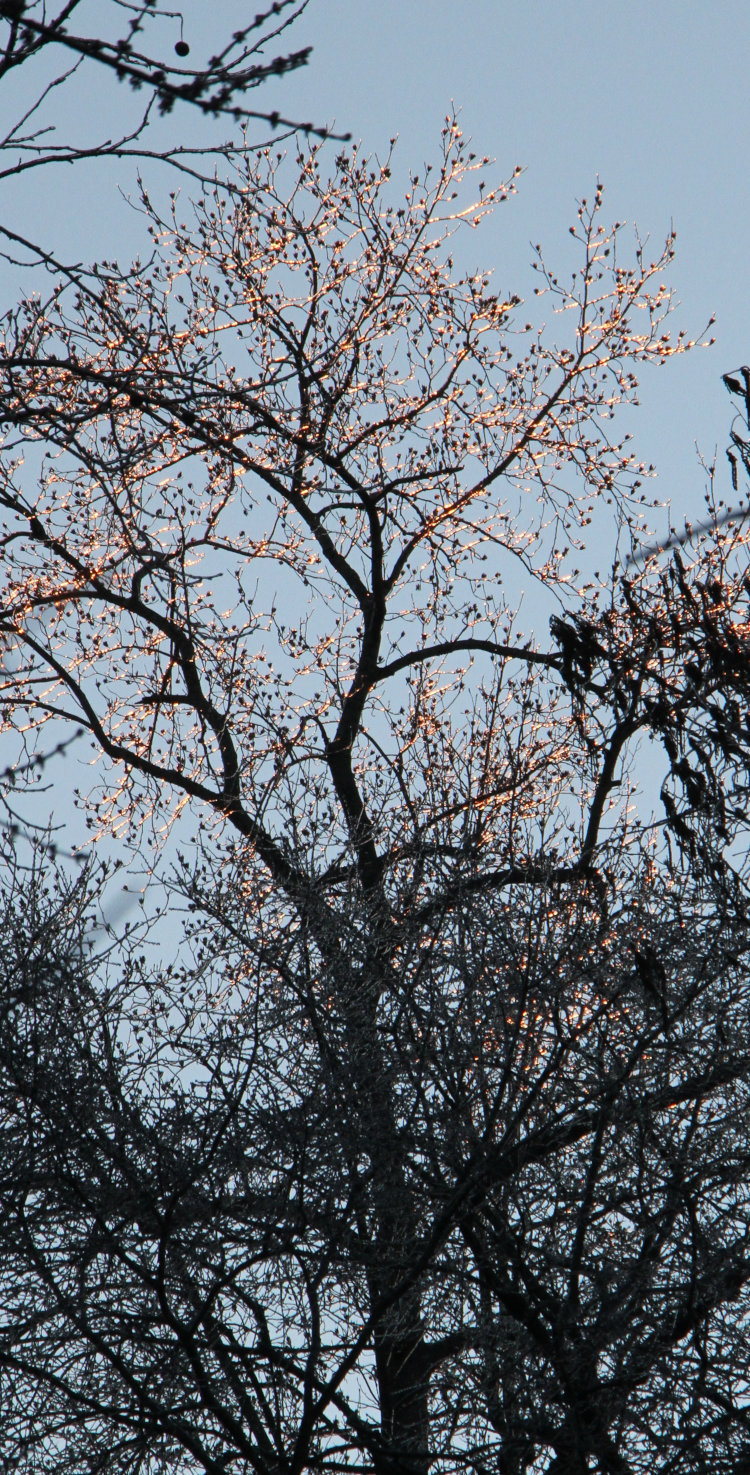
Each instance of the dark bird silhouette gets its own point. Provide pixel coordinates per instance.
(651, 973)
(580, 649)
(652, 978)
(732, 384)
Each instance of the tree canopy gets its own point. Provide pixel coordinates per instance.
(429, 1149)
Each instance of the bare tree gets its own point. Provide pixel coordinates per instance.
(430, 1151)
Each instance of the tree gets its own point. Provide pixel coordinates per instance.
(429, 1151)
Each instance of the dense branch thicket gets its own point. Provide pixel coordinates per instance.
(430, 1150)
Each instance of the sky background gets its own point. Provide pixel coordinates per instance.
(650, 96)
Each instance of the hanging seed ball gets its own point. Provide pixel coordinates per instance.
(182, 48)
